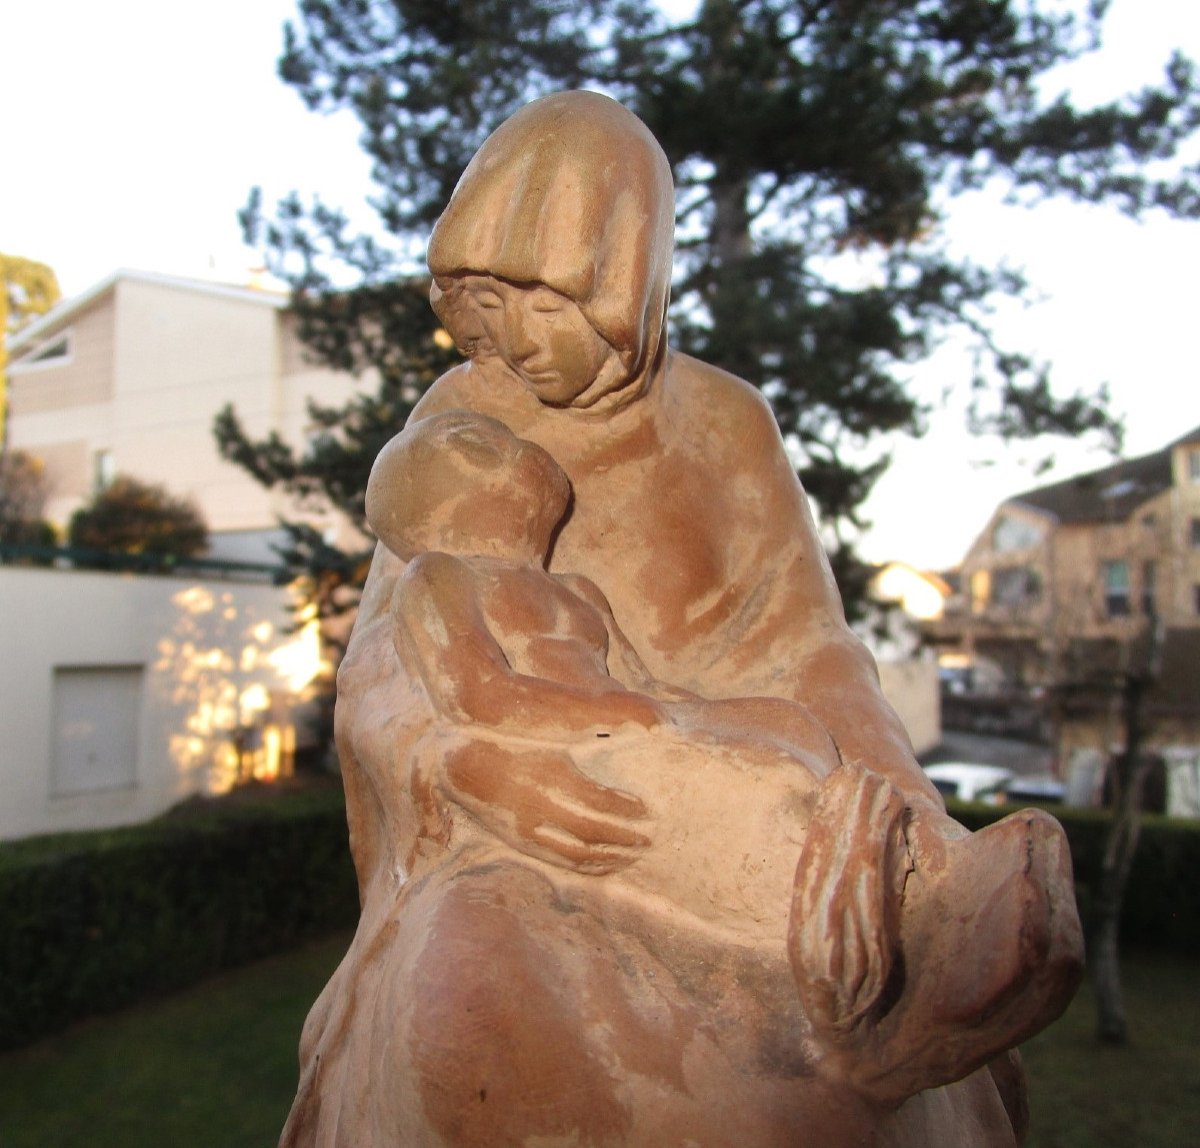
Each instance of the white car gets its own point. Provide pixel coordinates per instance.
(967, 781)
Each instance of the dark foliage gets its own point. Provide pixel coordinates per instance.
(23, 492)
(134, 517)
(391, 329)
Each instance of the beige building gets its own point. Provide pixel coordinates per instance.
(1090, 557)
(1074, 584)
(127, 378)
(901, 597)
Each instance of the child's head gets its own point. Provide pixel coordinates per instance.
(463, 483)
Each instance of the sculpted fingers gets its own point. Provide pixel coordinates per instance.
(599, 799)
(541, 804)
(594, 857)
(844, 927)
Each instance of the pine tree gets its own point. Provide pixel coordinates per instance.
(799, 133)
(390, 328)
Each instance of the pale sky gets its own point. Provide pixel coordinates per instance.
(134, 129)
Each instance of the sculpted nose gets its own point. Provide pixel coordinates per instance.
(521, 343)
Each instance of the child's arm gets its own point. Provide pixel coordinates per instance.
(470, 680)
(753, 721)
(624, 662)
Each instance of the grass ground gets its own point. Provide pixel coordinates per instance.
(1145, 1095)
(210, 1067)
(215, 1067)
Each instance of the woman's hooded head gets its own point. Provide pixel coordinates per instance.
(574, 192)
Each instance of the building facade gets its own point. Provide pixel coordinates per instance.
(1075, 586)
(1090, 557)
(127, 378)
(120, 697)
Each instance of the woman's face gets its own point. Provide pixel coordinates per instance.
(541, 335)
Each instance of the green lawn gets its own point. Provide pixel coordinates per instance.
(1146, 1095)
(211, 1067)
(215, 1067)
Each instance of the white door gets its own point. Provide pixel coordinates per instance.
(95, 715)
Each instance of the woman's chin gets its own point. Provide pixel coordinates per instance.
(551, 388)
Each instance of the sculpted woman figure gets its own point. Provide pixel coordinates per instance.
(533, 965)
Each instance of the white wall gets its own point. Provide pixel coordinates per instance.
(183, 661)
(912, 689)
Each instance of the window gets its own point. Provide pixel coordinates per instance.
(1193, 464)
(1116, 588)
(1196, 593)
(1149, 587)
(104, 469)
(1013, 585)
(1195, 539)
(54, 352)
(1117, 489)
(1011, 533)
(981, 588)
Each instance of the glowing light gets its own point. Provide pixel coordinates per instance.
(254, 699)
(268, 769)
(918, 593)
(194, 600)
(234, 675)
(299, 661)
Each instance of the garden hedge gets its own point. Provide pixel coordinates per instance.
(91, 922)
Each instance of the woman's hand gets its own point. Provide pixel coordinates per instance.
(538, 802)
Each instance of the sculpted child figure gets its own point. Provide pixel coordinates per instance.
(530, 966)
(509, 651)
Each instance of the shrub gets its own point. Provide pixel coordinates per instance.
(134, 517)
(92, 922)
(23, 491)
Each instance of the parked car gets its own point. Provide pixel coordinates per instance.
(1035, 787)
(968, 781)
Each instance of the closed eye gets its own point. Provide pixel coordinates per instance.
(546, 302)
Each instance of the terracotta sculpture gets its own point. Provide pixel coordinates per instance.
(644, 857)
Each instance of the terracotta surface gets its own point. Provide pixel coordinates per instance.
(644, 857)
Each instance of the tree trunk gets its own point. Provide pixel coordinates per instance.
(731, 221)
(1124, 829)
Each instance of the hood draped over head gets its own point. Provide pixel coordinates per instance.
(574, 192)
